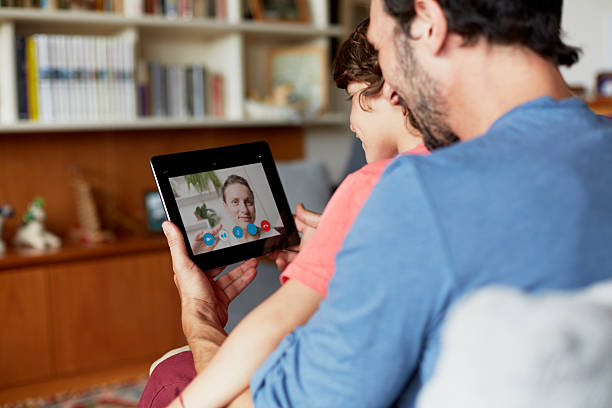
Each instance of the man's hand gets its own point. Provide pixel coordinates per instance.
(306, 223)
(204, 301)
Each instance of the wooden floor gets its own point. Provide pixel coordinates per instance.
(76, 383)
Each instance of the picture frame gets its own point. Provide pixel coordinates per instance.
(154, 209)
(306, 69)
(280, 10)
(603, 85)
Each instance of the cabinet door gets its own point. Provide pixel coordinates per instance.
(110, 311)
(25, 351)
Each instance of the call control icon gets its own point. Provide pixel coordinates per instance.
(223, 235)
(208, 238)
(237, 231)
(252, 229)
(265, 225)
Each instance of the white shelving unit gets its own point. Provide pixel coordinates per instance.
(233, 47)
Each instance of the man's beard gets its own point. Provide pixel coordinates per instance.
(423, 100)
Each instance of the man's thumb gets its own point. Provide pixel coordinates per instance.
(175, 241)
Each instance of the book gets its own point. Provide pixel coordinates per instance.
(22, 78)
(45, 82)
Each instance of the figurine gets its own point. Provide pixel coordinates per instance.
(89, 226)
(6, 211)
(32, 233)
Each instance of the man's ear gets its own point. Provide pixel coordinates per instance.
(429, 26)
(389, 94)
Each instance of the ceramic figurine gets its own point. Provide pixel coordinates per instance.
(6, 211)
(32, 233)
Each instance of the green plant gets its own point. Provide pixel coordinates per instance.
(200, 181)
(204, 213)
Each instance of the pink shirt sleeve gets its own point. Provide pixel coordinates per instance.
(314, 266)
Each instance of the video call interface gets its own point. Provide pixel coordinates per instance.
(226, 207)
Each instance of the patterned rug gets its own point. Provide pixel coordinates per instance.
(125, 394)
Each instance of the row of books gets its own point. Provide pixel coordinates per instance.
(63, 78)
(132, 8)
(179, 91)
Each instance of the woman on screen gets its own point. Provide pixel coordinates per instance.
(239, 203)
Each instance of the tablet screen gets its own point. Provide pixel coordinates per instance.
(226, 207)
(228, 202)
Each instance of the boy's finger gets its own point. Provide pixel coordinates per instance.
(307, 217)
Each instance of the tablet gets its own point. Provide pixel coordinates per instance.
(228, 202)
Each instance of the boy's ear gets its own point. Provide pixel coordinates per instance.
(389, 94)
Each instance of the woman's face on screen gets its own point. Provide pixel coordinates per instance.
(240, 204)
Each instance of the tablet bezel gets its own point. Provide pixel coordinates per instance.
(167, 166)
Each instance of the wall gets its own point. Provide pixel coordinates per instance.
(588, 24)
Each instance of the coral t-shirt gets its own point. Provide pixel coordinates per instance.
(314, 266)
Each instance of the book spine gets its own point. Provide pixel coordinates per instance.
(73, 78)
(189, 90)
(129, 77)
(63, 75)
(45, 88)
(171, 8)
(22, 79)
(198, 91)
(221, 9)
(142, 89)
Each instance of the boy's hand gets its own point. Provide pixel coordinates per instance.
(306, 223)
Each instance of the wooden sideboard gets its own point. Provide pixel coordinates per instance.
(86, 308)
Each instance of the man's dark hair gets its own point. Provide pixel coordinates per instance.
(535, 24)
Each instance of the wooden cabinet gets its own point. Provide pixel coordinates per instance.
(113, 310)
(25, 330)
(117, 307)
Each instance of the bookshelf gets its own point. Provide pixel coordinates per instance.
(233, 47)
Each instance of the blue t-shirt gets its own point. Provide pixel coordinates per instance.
(528, 204)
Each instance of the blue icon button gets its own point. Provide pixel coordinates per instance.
(252, 229)
(208, 238)
(238, 232)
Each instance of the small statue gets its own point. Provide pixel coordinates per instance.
(6, 211)
(32, 233)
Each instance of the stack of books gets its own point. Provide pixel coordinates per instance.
(132, 8)
(72, 78)
(179, 91)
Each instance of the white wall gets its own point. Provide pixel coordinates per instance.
(588, 24)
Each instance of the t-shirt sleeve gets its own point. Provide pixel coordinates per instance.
(315, 264)
(363, 345)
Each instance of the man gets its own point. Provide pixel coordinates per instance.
(524, 200)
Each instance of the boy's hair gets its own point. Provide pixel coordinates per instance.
(357, 61)
(535, 24)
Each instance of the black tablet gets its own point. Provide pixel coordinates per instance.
(228, 202)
